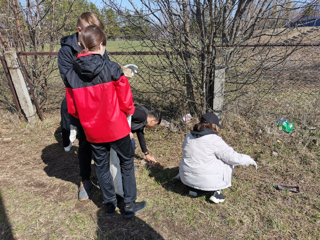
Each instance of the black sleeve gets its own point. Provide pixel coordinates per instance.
(115, 70)
(106, 56)
(65, 61)
(142, 141)
(65, 120)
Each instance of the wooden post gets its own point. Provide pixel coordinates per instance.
(218, 95)
(20, 86)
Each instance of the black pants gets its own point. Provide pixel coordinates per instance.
(101, 156)
(84, 152)
(65, 123)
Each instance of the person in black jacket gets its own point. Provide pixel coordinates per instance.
(70, 47)
(103, 116)
(142, 118)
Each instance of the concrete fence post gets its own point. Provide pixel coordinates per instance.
(20, 86)
(218, 94)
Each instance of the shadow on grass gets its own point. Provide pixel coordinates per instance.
(164, 177)
(5, 226)
(65, 166)
(117, 227)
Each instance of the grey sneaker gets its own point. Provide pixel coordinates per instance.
(193, 194)
(84, 190)
(68, 148)
(131, 209)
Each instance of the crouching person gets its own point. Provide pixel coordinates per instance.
(99, 95)
(208, 162)
(142, 118)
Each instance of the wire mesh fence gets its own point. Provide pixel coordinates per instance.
(261, 82)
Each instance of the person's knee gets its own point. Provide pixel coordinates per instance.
(127, 165)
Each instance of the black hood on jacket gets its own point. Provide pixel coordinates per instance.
(90, 66)
(68, 53)
(72, 42)
(198, 134)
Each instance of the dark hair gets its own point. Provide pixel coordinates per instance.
(89, 18)
(155, 114)
(203, 124)
(91, 37)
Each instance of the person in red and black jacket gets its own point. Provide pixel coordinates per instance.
(70, 46)
(99, 95)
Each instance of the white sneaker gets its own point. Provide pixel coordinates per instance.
(217, 197)
(68, 148)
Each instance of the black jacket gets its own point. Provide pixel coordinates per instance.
(138, 122)
(68, 53)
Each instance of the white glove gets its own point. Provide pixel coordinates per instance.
(73, 133)
(129, 117)
(254, 164)
(132, 67)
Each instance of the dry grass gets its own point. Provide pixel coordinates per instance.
(39, 182)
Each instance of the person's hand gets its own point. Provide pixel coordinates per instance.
(131, 135)
(150, 159)
(132, 67)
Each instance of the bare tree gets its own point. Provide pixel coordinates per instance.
(33, 27)
(197, 36)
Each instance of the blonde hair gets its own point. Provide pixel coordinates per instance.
(89, 18)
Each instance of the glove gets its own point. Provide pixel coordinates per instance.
(132, 67)
(73, 133)
(129, 118)
(254, 164)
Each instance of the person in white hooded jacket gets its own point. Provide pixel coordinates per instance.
(207, 162)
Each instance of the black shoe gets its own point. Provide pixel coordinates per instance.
(120, 203)
(133, 208)
(110, 208)
(198, 193)
(217, 197)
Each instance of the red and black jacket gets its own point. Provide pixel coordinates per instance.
(99, 95)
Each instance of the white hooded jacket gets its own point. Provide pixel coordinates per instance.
(207, 162)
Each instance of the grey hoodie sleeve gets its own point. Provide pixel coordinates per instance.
(230, 156)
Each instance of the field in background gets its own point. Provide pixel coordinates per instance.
(115, 46)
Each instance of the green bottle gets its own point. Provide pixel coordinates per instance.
(286, 126)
